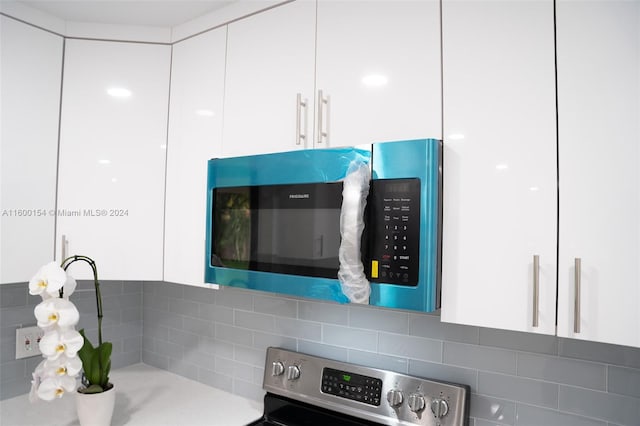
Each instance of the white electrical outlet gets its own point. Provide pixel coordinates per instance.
(28, 341)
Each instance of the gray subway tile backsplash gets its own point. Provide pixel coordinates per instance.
(528, 415)
(13, 296)
(255, 321)
(275, 306)
(386, 320)
(410, 347)
(338, 335)
(376, 360)
(219, 337)
(328, 313)
(437, 371)
(526, 342)
(480, 357)
(323, 350)
(623, 381)
(505, 386)
(561, 370)
(603, 406)
(599, 352)
(430, 326)
(493, 409)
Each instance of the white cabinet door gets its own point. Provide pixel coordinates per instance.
(195, 136)
(500, 195)
(378, 62)
(270, 59)
(599, 164)
(30, 76)
(112, 156)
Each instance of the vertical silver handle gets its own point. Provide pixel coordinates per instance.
(576, 299)
(323, 120)
(64, 247)
(536, 290)
(301, 136)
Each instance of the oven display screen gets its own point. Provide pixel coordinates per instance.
(352, 386)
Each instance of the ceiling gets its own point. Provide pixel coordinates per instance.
(157, 13)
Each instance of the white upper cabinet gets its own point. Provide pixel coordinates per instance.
(112, 156)
(599, 152)
(30, 76)
(378, 64)
(270, 60)
(500, 194)
(195, 136)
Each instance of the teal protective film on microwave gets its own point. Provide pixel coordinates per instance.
(421, 159)
(415, 159)
(295, 167)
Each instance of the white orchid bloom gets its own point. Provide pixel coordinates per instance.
(38, 375)
(61, 342)
(48, 280)
(64, 365)
(60, 312)
(55, 387)
(69, 287)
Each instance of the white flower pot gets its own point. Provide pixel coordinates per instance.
(96, 409)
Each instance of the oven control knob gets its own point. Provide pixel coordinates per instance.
(439, 407)
(277, 368)
(293, 372)
(416, 402)
(395, 397)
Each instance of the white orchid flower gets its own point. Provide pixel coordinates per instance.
(38, 375)
(69, 287)
(55, 387)
(60, 312)
(64, 365)
(48, 280)
(61, 342)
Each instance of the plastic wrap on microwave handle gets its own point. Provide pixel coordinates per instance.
(353, 281)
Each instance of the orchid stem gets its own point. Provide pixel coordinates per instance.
(72, 259)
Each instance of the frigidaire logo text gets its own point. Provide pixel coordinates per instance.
(298, 195)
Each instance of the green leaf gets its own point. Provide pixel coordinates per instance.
(94, 369)
(104, 352)
(92, 389)
(85, 352)
(96, 363)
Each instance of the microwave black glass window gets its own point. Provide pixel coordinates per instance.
(231, 228)
(289, 229)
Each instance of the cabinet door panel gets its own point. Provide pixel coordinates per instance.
(112, 156)
(500, 190)
(379, 63)
(599, 147)
(31, 75)
(270, 58)
(195, 136)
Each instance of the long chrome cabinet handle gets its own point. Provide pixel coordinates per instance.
(323, 118)
(301, 136)
(576, 307)
(536, 290)
(64, 247)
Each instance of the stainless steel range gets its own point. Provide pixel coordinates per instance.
(308, 390)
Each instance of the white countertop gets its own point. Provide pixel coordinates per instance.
(145, 396)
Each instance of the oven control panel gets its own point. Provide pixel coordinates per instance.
(371, 394)
(352, 386)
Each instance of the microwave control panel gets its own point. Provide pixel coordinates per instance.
(393, 231)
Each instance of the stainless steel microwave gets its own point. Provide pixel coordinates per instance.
(340, 224)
